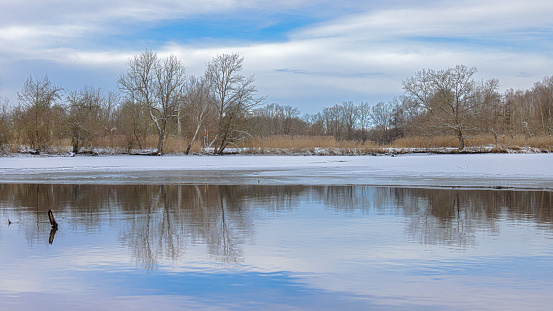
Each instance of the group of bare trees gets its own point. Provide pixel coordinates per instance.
(528, 112)
(346, 121)
(216, 103)
(219, 109)
(448, 102)
(155, 97)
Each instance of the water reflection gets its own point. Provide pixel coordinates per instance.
(274, 247)
(159, 221)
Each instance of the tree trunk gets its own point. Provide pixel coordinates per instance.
(160, 145)
(76, 146)
(461, 139)
(193, 139)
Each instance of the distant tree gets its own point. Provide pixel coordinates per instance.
(349, 117)
(275, 119)
(330, 117)
(364, 113)
(340, 120)
(452, 97)
(289, 116)
(107, 117)
(266, 120)
(5, 123)
(543, 98)
(382, 115)
(315, 123)
(37, 99)
(233, 100)
(83, 118)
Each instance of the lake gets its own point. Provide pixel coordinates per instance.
(255, 247)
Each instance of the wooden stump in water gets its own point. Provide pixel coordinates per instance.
(52, 220)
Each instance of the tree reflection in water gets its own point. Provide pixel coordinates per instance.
(160, 221)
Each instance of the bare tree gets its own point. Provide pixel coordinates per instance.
(156, 84)
(289, 116)
(38, 97)
(349, 116)
(233, 99)
(107, 117)
(274, 119)
(84, 110)
(133, 121)
(543, 99)
(197, 103)
(169, 86)
(364, 113)
(315, 123)
(5, 123)
(452, 97)
(332, 121)
(382, 117)
(340, 120)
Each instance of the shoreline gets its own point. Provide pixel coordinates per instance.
(315, 151)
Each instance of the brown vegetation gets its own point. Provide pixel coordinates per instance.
(173, 113)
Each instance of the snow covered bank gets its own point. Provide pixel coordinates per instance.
(447, 170)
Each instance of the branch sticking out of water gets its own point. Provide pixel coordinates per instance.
(52, 220)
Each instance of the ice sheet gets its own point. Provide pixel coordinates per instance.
(533, 171)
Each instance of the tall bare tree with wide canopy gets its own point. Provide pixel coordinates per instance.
(232, 95)
(452, 97)
(157, 85)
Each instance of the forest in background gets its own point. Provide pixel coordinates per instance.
(157, 108)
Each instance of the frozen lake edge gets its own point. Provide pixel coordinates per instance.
(497, 171)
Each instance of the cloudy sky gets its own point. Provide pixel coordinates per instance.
(305, 53)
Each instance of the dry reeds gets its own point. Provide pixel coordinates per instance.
(544, 142)
(304, 142)
(283, 144)
(439, 141)
(502, 143)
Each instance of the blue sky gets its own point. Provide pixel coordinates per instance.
(309, 54)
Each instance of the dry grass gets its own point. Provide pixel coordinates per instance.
(319, 145)
(439, 142)
(421, 142)
(543, 142)
(305, 142)
(503, 142)
(171, 144)
(117, 141)
(119, 144)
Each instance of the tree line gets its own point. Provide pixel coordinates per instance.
(156, 98)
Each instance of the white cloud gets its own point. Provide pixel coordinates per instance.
(452, 19)
(361, 56)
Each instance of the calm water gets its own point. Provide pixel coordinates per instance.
(274, 247)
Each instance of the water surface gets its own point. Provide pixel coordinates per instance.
(174, 247)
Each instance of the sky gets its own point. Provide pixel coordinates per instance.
(304, 53)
